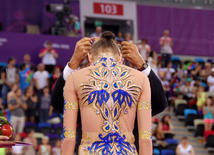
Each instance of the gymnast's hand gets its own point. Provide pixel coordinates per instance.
(82, 48)
(4, 143)
(130, 52)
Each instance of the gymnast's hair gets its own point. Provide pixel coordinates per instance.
(106, 44)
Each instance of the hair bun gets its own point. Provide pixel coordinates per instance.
(107, 35)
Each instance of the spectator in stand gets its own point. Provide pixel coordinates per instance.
(206, 71)
(45, 148)
(27, 62)
(16, 107)
(41, 79)
(174, 89)
(97, 33)
(9, 76)
(56, 150)
(144, 49)
(164, 127)
(188, 91)
(45, 105)
(168, 71)
(12, 92)
(17, 150)
(152, 61)
(49, 57)
(30, 150)
(165, 84)
(25, 76)
(166, 47)
(120, 36)
(184, 148)
(1, 105)
(74, 25)
(208, 112)
(127, 37)
(210, 82)
(31, 100)
(196, 71)
(55, 76)
(201, 98)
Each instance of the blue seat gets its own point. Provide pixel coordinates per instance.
(43, 125)
(189, 111)
(167, 152)
(54, 115)
(3, 64)
(156, 152)
(199, 60)
(50, 75)
(171, 141)
(31, 124)
(175, 58)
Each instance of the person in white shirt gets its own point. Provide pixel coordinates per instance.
(41, 79)
(97, 33)
(166, 47)
(49, 57)
(144, 49)
(184, 148)
(210, 82)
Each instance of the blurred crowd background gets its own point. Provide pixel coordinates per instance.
(181, 58)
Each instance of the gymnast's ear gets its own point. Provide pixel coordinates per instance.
(90, 58)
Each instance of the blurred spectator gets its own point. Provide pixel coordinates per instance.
(9, 75)
(144, 49)
(56, 150)
(12, 92)
(127, 37)
(206, 71)
(55, 76)
(45, 105)
(188, 91)
(97, 33)
(30, 99)
(27, 62)
(152, 61)
(120, 36)
(1, 104)
(17, 150)
(40, 78)
(201, 98)
(210, 82)
(208, 112)
(165, 83)
(74, 25)
(25, 76)
(196, 71)
(49, 57)
(164, 127)
(166, 47)
(45, 148)
(184, 148)
(30, 150)
(16, 107)
(168, 71)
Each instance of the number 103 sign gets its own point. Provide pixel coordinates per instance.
(108, 9)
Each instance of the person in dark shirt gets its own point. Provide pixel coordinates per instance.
(10, 76)
(45, 105)
(30, 99)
